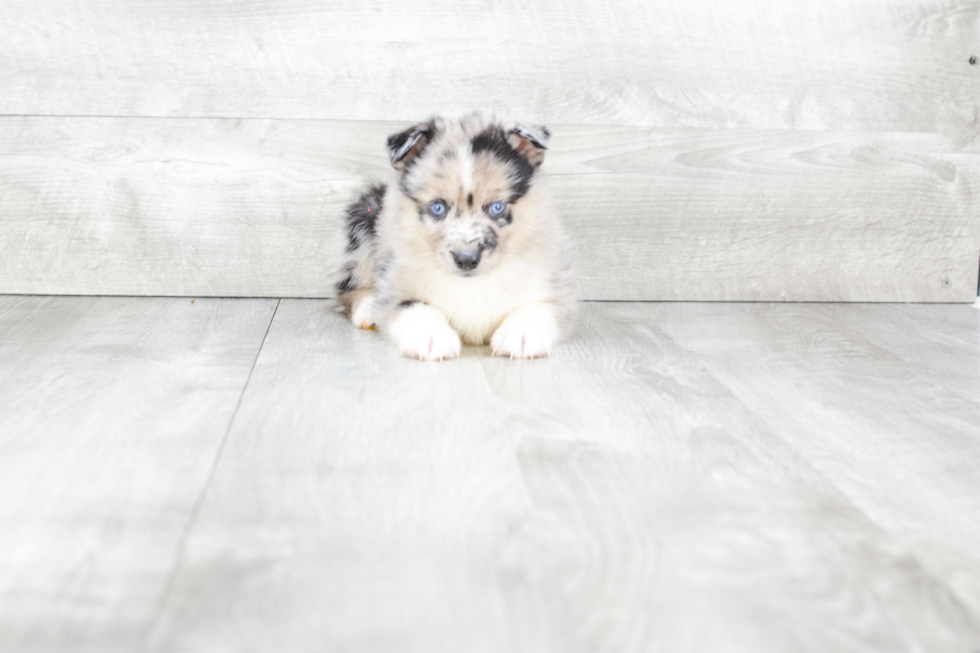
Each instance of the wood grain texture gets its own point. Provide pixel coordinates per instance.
(760, 64)
(112, 411)
(250, 208)
(619, 496)
(902, 446)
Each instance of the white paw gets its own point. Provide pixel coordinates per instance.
(423, 333)
(362, 314)
(528, 332)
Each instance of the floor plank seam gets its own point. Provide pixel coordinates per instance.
(161, 603)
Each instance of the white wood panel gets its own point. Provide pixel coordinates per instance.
(762, 64)
(616, 497)
(112, 411)
(249, 207)
(772, 216)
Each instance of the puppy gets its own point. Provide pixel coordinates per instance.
(465, 247)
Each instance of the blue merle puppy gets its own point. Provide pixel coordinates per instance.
(465, 247)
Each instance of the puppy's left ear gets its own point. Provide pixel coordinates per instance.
(531, 141)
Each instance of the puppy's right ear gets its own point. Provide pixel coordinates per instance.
(405, 146)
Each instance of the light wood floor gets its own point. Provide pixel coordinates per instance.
(257, 475)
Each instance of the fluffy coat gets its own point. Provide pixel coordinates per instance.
(465, 247)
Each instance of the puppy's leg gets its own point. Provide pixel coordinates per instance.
(361, 306)
(423, 333)
(528, 332)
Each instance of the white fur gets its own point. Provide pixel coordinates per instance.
(520, 298)
(466, 165)
(475, 306)
(423, 333)
(528, 332)
(362, 314)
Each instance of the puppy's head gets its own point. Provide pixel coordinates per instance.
(468, 179)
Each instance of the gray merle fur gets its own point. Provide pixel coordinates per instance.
(414, 139)
(493, 140)
(362, 215)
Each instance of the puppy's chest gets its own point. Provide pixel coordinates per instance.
(475, 306)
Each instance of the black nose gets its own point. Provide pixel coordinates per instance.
(467, 260)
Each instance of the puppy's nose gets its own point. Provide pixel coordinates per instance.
(467, 259)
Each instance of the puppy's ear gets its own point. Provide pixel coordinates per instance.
(405, 146)
(530, 141)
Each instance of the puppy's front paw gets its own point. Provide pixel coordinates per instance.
(362, 312)
(423, 333)
(528, 332)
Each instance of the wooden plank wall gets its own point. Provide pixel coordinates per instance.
(747, 150)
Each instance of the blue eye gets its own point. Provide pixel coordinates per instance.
(497, 208)
(438, 208)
